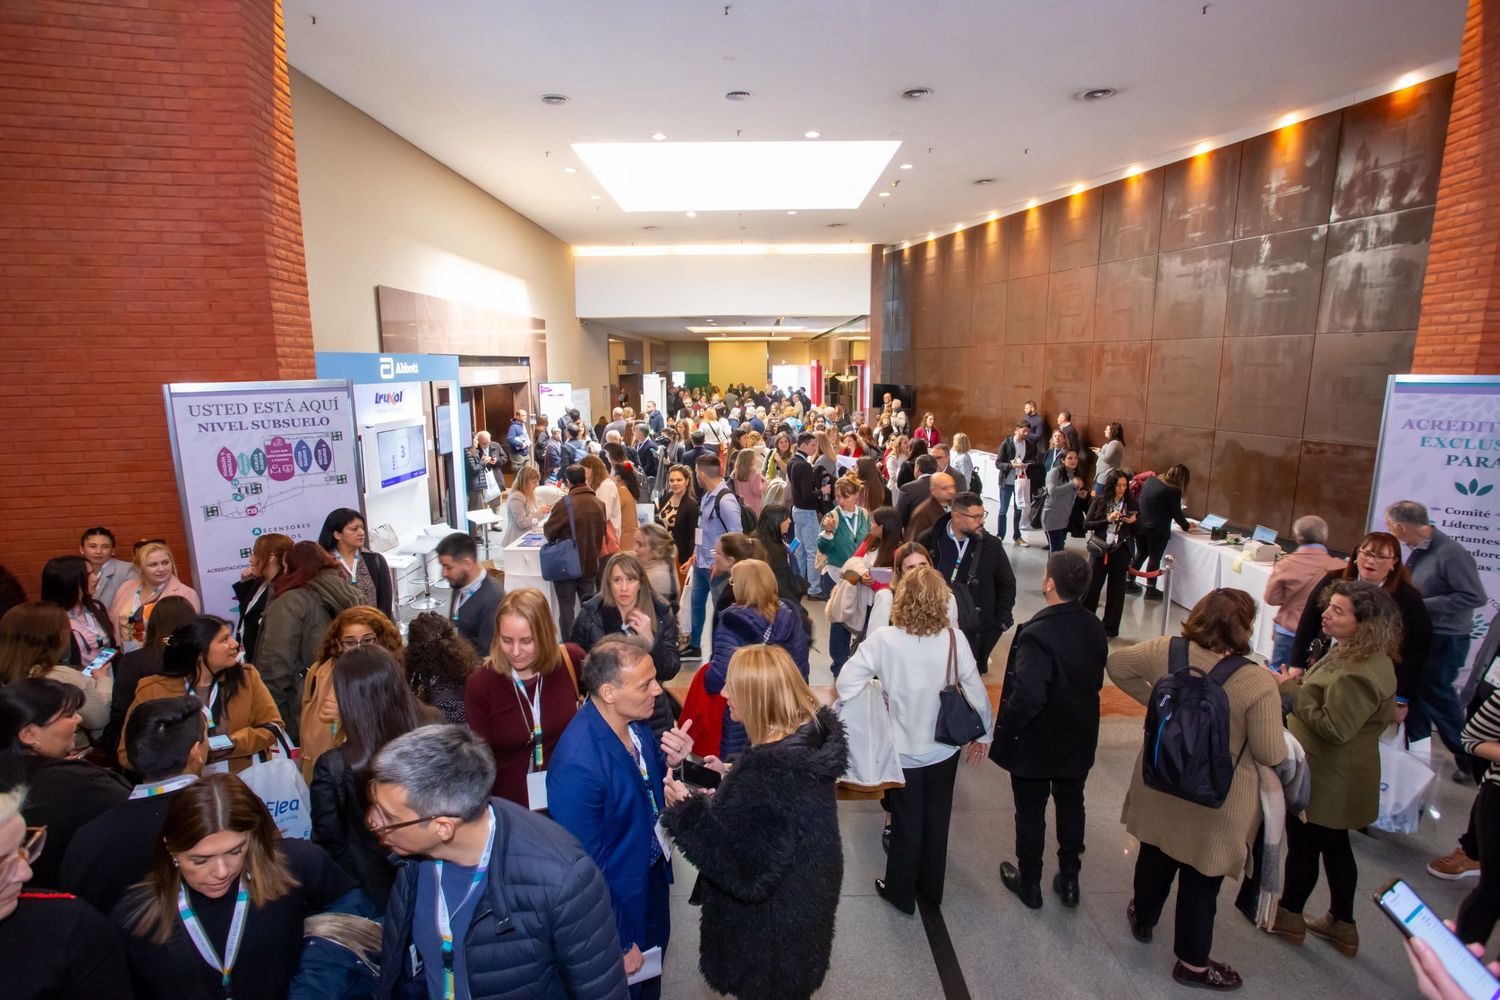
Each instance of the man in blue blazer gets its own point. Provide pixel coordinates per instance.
(604, 785)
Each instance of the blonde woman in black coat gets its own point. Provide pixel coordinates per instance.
(766, 842)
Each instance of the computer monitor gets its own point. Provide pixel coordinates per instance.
(1264, 534)
(403, 454)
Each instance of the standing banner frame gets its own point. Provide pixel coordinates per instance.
(253, 458)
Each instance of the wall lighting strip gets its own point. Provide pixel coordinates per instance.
(726, 250)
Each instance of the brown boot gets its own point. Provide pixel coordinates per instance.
(1341, 934)
(1289, 926)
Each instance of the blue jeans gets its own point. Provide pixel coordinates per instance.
(805, 527)
(1436, 703)
(1281, 648)
(700, 604)
(1008, 508)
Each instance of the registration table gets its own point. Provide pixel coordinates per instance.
(522, 562)
(1199, 566)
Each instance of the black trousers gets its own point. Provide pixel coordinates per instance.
(989, 638)
(569, 591)
(1197, 902)
(1109, 577)
(918, 859)
(1480, 911)
(1306, 844)
(1031, 824)
(1150, 546)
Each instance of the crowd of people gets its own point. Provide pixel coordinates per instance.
(495, 794)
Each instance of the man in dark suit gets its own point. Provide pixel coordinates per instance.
(1048, 727)
(475, 594)
(587, 531)
(916, 492)
(974, 563)
(943, 489)
(1065, 424)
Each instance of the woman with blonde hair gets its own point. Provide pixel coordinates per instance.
(136, 599)
(354, 628)
(522, 512)
(767, 841)
(960, 462)
(747, 481)
(220, 864)
(524, 695)
(895, 457)
(758, 615)
(915, 657)
(626, 603)
(657, 554)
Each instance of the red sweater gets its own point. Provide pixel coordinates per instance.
(493, 709)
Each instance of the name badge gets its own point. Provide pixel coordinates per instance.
(698, 536)
(217, 767)
(536, 789)
(665, 840)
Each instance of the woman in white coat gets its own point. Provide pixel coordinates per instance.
(913, 657)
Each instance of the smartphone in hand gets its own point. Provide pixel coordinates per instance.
(1413, 918)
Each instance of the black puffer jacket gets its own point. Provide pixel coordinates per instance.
(543, 929)
(767, 847)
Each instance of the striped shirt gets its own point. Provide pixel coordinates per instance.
(1484, 727)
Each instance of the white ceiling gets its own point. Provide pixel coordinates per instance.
(461, 80)
(675, 327)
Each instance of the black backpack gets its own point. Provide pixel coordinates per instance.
(1187, 730)
(748, 520)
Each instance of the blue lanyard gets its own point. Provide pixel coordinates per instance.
(640, 762)
(444, 921)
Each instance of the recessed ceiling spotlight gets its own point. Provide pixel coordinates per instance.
(837, 225)
(932, 236)
(1079, 188)
(570, 170)
(554, 99)
(906, 166)
(594, 197)
(813, 134)
(1031, 203)
(1408, 80)
(738, 95)
(984, 180)
(1133, 169)
(993, 216)
(692, 215)
(1288, 119)
(791, 211)
(1096, 94)
(883, 194)
(650, 229)
(1203, 147)
(658, 136)
(916, 93)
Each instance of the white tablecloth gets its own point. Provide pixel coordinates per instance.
(522, 562)
(1199, 566)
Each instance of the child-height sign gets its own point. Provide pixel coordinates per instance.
(254, 458)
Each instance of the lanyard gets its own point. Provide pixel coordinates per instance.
(444, 921)
(640, 762)
(536, 717)
(199, 936)
(962, 546)
(208, 706)
(352, 567)
(462, 597)
(162, 787)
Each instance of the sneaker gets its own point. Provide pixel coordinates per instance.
(1453, 867)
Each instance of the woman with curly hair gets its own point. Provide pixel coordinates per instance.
(358, 626)
(1339, 709)
(438, 664)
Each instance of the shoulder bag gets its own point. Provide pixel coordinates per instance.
(559, 557)
(958, 722)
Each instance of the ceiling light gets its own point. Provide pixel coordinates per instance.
(738, 95)
(883, 194)
(723, 249)
(1133, 169)
(1408, 80)
(750, 330)
(791, 211)
(1031, 203)
(554, 99)
(932, 236)
(737, 176)
(595, 197)
(916, 93)
(1097, 94)
(570, 170)
(906, 166)
(650, 229)
(838, 225)
(1079, 188)
(692, 215)
(1290, 118)
(658, 136)
(1203, 147)
(984, 180)
(992, 217)
(814, 134)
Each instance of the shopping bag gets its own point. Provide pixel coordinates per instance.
(277, 780)
(874, 764)
(1405, 779)
(492, 489)
(1023, 494)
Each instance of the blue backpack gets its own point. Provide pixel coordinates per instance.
(1187, 730)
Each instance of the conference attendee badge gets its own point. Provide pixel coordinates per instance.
(217, 767)
(664, 839)
(698, 535)
(536, 789)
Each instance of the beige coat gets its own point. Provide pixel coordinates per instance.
(1292, 582)
(243, 715)
(1214, 841)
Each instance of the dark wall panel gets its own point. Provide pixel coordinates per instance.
(1373, 276)
(1347, 384)
(1391, 152)
(1251, 478)
(1125, 299)
(1263, 384)
(1286, 177)
(1192, 290)
(1026, 310)
(1198, 199)
(1027, 246)
(1274, 283)
(1070, 306)
(1130, 209)
(1075, 230)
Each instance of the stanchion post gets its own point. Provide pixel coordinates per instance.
(1166, 592)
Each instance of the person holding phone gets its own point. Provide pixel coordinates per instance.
(34, 641)
(766, 840)
(68, 582)
(629, 605)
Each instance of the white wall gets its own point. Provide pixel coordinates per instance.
(376, 210)
(737, 285)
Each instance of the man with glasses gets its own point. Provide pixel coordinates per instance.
(495, 902)
(475, 597)
(977, 570)
(51, 944)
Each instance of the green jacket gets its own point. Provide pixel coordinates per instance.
(840, 548)
(1339, 711)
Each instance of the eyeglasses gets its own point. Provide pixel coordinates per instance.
(374, 811)
(32, 842)
(368, 640)
(977, 513)
(1372, 554)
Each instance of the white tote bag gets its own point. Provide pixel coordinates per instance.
(1405, 779)
(492, 489)
(278, 781)
(873, 762)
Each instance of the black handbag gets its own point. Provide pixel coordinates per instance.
(560, 558)
(958, 722)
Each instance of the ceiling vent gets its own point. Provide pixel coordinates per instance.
(554, 99)
(738, 95)
(916, 93)
(1097, 94)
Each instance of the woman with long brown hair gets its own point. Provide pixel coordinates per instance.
(524, 695)
(354, 628)
(874, 493)
(221, 913)
(34, 643)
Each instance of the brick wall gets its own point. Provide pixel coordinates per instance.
(150, 233)
(1460, 329)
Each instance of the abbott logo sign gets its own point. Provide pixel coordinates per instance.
(387, 368)
(390, 368)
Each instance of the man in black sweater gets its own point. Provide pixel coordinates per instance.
(974, 564)
(803, 481)
(167, 742)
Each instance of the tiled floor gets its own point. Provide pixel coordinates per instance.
(1005, 950)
